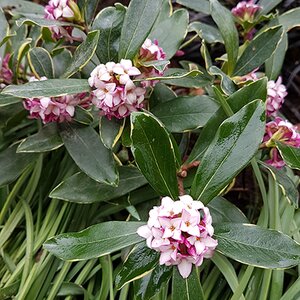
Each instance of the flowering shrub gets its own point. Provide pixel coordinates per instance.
(138, 160)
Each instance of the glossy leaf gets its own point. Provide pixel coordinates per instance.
(47, 139)
(83, 116)
(287, 186)
(197, 5)
(224, 19)
(235, 143)
(41, 62)
(13, 164)
(154, 153)
(223, 211)
(80, 188)
(184, 78)
(253, 91)
(186, 288)
(207, 32)
(258, 50)
(109, 22)
(149, 285)
(290, 155)
(267, 6)
(160, 94)
(159, 65)
(21, 7)
(110, 131)
(137, 25)
(6, 100)
(257, 246)
(83, 54)
(3, 30)
(227, 85)
(61, 60)
(40, 21)
(185, 113)
(174, 31)
(140, 261)
(290, 19)
(91, 156)
(95, 241)
(48, 88)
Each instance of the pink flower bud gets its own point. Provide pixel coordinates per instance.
(245, 10)
(180, 233)
(6, 74)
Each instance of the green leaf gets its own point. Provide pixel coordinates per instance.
(41, 62)
(174, 31)
(154, 153)
(61, 60)
(235, 143)
(90, 8)
(286, 184)
(223, 211)
(10, 290)
(256, 246)
(13, 164)
(159, 65)
(47, 139)
(258, 50)
(267, 6)
(137, 25)
(197, 5)
(253, 91)
(48, 88)
(140, 261)
(83, 54)
(4, 29)
(274, 64)
(160, 94)
(290, 19)
(21, 7)
(185, 113)
(80, 188)
(290, 155)
(227, 85)
(224, 19)
(109, 22)
(95, 241)
(184, 78)
(83, 116)
(40, 21)
(110, 131)
(6, 100)
(91, 156)
(206, 32)
(186, 288)
(151, 284)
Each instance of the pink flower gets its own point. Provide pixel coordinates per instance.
(245, 10)
(181, 234)
(150, 51)
(276, 93)
(282, 131)
(6, 74)
(115, 93)
(66, 11)
(55, 109)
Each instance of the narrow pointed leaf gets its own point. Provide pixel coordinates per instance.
(256, 246)
(186, 288)
(83, 54)
(91, 156)
(197, 5)
(290, 155)
(258, 51)
(41, 62)
(48, 88)
(6, 100)
(95, 241)
(80, 188)
(207, 32)
(140, 261)
(224, 19)
(235, 143)
(47, 139)
(154, 153)
(137, 25)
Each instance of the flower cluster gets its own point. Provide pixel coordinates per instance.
(115, 93)
(66, 11)
(180, 232)
(150, 52)
(276, 93)
(282, 131)
(6, 74)
(55, 109)
(246, 10)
